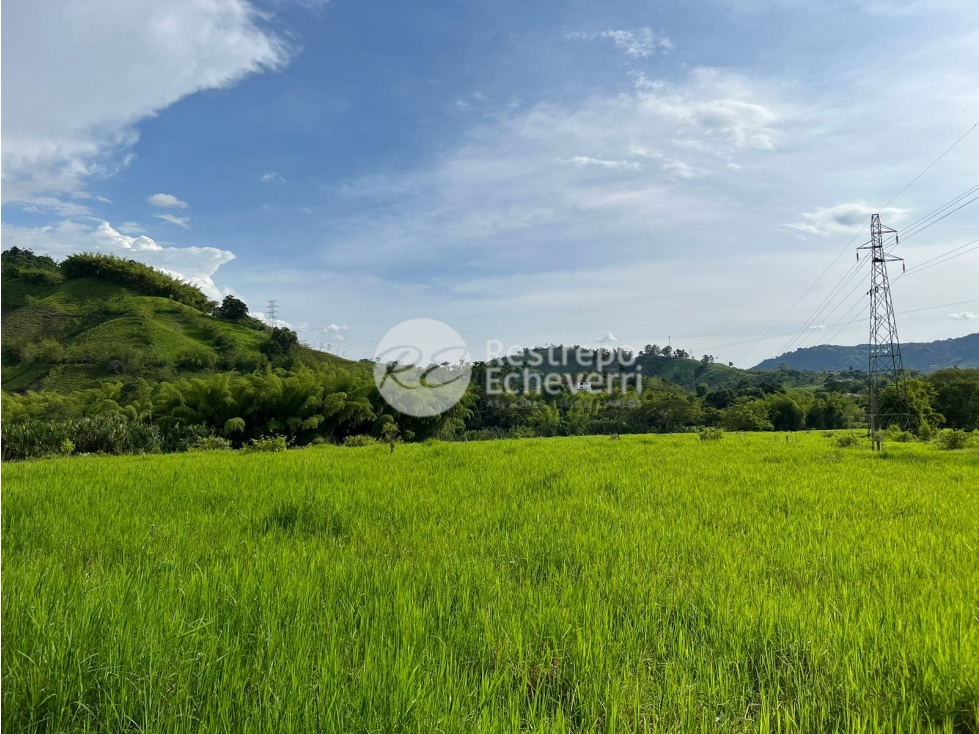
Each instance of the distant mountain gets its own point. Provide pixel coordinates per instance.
(925, 356)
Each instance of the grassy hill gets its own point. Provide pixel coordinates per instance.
(69, 334)
(962, 352)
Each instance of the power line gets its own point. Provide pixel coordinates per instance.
(817, 314)
(853, 321)
(931, 164)
(944, 206)
(830, 334)
(941, 258)
(847, 247)
(802, 333)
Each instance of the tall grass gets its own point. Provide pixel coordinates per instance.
(648, 584)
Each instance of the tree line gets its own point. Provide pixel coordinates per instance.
(331, 403)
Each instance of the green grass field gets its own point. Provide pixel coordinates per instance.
(654, 583)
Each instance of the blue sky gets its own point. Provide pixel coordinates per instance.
(526, 172)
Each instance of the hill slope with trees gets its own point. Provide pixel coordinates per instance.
(922, 356)
(93, 318)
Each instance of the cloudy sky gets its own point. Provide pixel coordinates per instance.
(526, 172)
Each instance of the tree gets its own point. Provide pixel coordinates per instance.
(828, 412)
(957, 397)
(785, 414)
(667, 411)
(720, 399)
(390, 432)
(747, 414)
(921, 396)
(232, 309)
(281, 343)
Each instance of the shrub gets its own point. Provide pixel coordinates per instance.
(196, 359)
(211, 443)
(711, 434)
(898, 435)
(927, 432)
(104, 434)
(182, 437)
(847, 441)
(952, 439)
(135, 275)
(266, 444)
(362, 440)
(38, 276)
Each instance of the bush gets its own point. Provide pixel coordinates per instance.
(362, 440)
(211, 443)
(104, 434)
(898, 435)
(135, 275)
(266, 444)
(38, 276)
(711, 434)
(196, 359)
(847, 441)
(182, 437)
(952, 439)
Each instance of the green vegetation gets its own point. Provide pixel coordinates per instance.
(96, 318)
(654, 583)
(961, 352)
(131, 343)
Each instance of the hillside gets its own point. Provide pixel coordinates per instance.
(924, 356)
(72, 333)
(683, 371)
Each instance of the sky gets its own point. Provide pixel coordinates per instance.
(616, 173)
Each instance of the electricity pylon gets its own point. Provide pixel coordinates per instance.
(272, 315)
(885, 347)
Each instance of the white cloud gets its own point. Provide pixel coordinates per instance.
(195, 265)
(271, 177)
(172, 219)
(73, 102)
(638, 43)
(168, 201)
(584, 160)
(713, 103)
(683, 170)
(514, 184)
(609, 338)
(495, 233)
(336, 332)
(964, 316)
(133, 228)
(843, 219)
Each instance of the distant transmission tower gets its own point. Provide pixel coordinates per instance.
(272, 314)
(885, 348)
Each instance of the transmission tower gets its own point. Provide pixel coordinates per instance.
(272, 314)
(885, 348)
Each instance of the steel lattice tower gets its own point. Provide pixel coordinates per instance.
(885, 364)
(272, 315)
